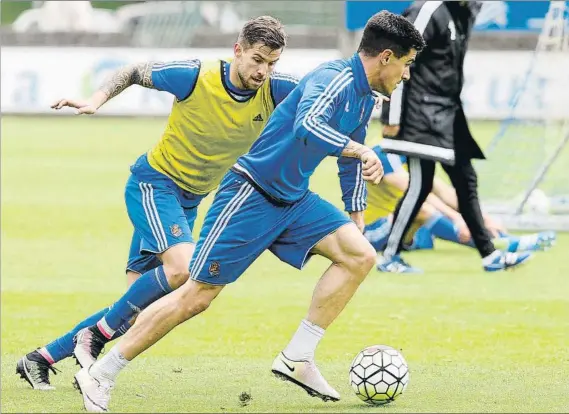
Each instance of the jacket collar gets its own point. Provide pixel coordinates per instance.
(360, 78)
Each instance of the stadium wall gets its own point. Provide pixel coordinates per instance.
(491, 79)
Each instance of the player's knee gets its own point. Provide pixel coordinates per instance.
(367, 259)
(362, 259)
(177, 273)
(131, 277)
(199, 305)
(195, 300)
(177, 264)
(424, 214)
(194, 306)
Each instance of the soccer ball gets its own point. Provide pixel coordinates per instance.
(379, 374)
(538, 202)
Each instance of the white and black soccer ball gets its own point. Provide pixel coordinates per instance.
(379, 374)
(538, 203)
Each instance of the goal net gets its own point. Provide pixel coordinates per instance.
(525, 179)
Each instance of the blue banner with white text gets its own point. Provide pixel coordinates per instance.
(495, 15)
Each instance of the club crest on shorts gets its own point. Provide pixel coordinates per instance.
(214, 268)
(176, 230)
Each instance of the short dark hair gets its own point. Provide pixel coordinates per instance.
(263, 29)
(385, 30)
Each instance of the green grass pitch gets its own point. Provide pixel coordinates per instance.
(475, 342)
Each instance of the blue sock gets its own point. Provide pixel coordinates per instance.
(122, 330)
(149, 287)
(63, 346)
(505, 241)
(443, 228)
(423, 239)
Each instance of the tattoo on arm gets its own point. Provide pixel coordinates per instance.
(354, 150)
(135, 74)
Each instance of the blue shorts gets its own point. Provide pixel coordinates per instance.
(242, 223)
(162, 214)
(139, 261)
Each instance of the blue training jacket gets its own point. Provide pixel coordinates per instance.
(331, 105)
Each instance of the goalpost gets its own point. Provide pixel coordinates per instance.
(525, 179)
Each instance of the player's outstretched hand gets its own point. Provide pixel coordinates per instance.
(372, 168)
(464, 235)
(81, 107)
(493, 226)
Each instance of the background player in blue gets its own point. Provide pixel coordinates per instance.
(438, 217)
(264, 204)
(220, 107)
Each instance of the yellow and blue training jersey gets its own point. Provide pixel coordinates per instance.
(382, 199)
(211, 122)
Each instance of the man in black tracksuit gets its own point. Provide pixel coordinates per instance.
(425, 121)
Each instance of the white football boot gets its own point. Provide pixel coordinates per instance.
(96, 393)
(306, 375)
(87, 347)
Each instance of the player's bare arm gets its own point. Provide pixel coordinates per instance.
(133, 74)
(463, 231)
(494, 226)
(446, 193)
(372, 168)
(444, 208)
(398, 179)
(355, 150)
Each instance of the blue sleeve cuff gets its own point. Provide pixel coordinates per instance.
(177, 78)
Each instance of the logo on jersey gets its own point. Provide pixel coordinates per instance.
(348, 106)
(176, 230)
(214, 268)
(258, 118)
